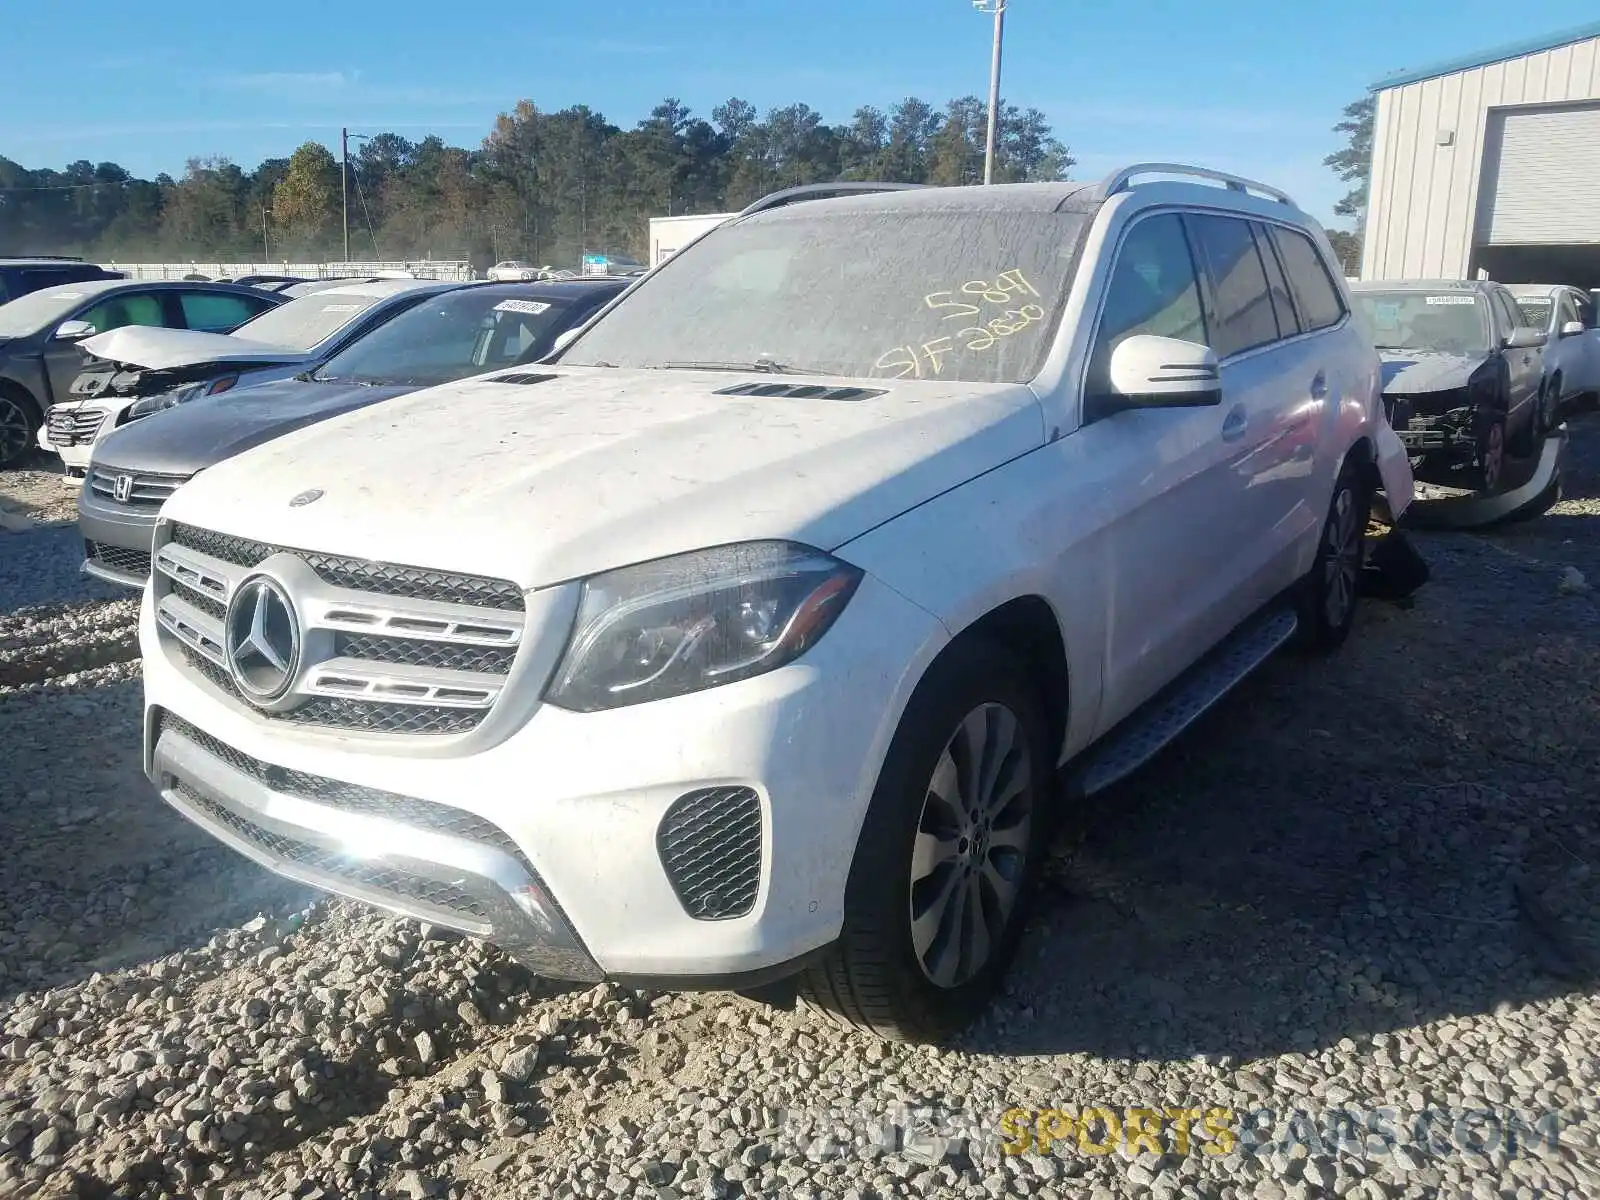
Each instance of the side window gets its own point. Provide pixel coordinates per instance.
(1566, 310)
(1315, 293)
(216, 312)
(135, 309)
(1509, 317)
(1243, 318)
(1154, 288)
(1586, 311)
(1277, 286)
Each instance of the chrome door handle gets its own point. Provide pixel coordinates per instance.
(1235, 424)
(1319, 386)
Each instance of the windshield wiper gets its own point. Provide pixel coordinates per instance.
(766, 365)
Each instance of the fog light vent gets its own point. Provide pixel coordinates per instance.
(710, 845)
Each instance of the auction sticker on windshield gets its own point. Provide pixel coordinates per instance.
(1452, 300)
(522, 306)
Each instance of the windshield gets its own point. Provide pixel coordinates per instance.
(1449, 322)
(451, 336)
(962, 294)
(1535, 310)
(31, 313)
(307, 321)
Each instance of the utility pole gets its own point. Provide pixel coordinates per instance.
(344, 177)
(266, 255)
(998, 9)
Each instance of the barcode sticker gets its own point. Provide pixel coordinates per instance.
(523, 306)
(1452, 300)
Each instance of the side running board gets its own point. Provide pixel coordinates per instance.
(1143, 734)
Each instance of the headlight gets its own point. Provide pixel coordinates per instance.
(151, 405)
(697, 620)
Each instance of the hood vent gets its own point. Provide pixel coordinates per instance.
(522, 377)
(799, 391)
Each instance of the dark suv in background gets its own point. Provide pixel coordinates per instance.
(19, 276)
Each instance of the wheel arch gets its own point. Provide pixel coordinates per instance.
(1028, 627)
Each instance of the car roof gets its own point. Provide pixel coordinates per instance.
(7, 260)
(96, 287)
(1011, 197)
(1476, 286)
(381, 287)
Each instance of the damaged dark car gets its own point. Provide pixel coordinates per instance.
(1462, 376)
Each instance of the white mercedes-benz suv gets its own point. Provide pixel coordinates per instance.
(744, 636)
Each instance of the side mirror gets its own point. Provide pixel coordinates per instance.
(73, 331)
(564, 339)
(1572, 329)
(1148, 371)
(1524, 337)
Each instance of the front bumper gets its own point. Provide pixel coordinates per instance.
(1450, 434)
(116, 539)
(562, 842)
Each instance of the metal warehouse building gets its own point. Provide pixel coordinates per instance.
(1490, 167)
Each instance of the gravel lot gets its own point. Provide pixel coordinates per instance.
(1366, 883)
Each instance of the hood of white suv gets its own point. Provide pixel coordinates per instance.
(548, 481)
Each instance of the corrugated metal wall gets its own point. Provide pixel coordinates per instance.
(1423, 204)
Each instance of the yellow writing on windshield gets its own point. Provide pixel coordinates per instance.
(1003, 289)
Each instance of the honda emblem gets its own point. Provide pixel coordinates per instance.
(122, 489)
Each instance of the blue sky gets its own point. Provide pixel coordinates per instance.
(1241, 85)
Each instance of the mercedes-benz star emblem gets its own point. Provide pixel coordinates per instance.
(122, 488)
(306, 497)
(263, 639)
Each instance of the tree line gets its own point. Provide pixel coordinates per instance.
(543, 186)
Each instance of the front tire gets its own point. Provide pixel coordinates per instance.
(19, 425)
(1326, 603)
(1549, 410)
(947, 856)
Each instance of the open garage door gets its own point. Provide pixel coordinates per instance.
(1541, 177)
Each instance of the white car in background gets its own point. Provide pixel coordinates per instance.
(1567, 315)
(137, 370)
(514, 270)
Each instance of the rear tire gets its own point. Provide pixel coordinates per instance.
(948, 854)
(1327, 595)
(19, 426)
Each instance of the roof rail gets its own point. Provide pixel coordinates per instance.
(821, 191)
(41, 257)
(1120, 180)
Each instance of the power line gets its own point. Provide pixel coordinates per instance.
(74, 187)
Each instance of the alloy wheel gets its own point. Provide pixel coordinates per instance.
(971, 848)
(15, 430)
(1494, 456)
(1341, 566)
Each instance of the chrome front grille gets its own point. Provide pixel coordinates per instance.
(384, 579)
(72, 426)
(143, 489)
(389, 649)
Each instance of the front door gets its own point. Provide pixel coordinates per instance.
(63, 360)
(1168, 483)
